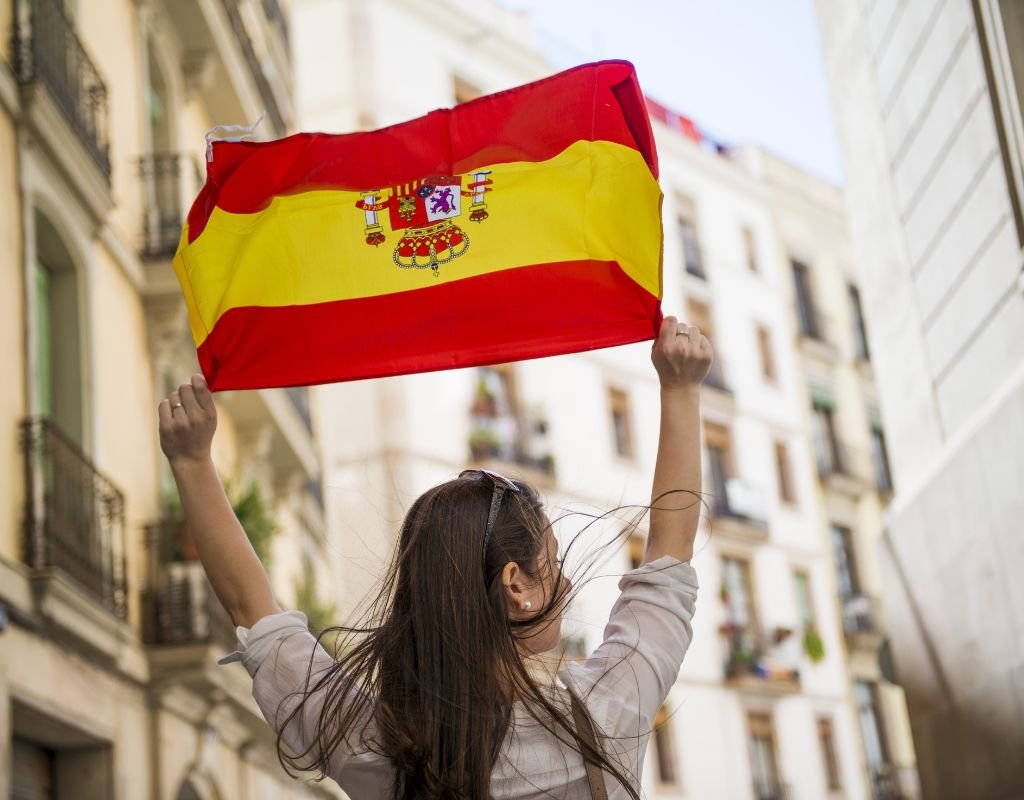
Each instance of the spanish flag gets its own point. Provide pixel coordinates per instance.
(522, 224)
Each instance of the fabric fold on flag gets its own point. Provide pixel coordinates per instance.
(522, 224)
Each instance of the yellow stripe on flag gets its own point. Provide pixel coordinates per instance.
(594, 200)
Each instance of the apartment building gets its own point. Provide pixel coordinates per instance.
(108, 680)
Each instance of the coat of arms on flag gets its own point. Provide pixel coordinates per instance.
(424, 210)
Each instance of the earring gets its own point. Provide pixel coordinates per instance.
(527, 605)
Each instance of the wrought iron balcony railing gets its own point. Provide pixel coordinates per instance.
(162, 175)
(47, 49)
(179, 606)
(841, 460)
(741, 501)
(860, 614)
(885, 783)
(74, 516)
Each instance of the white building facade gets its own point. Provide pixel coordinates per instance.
(928, 97)
(764, 705)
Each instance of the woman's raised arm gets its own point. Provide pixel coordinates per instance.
(188, 419)
(682, 357)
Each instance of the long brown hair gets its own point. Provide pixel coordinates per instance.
(435, 668)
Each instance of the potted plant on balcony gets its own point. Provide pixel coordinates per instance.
(742, 661)
(255, 519)
(179, 544)
(814, 647)
(485, 404)
(484, 443)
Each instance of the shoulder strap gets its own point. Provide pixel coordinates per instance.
(595, 777)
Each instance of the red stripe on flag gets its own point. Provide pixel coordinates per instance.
(511, 315)
(534, 122)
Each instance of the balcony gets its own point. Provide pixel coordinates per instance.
(861, 622)
(739, 511)
(511, 443)
(885, 783)
(844, 469)
(74, 520)
(757, 665)
(47, 52)
(813, 328)
(169, 181)
(179, 606)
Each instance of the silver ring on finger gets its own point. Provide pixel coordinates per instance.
(683, 333)
(177, 406)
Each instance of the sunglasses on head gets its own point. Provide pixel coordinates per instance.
(501, 485)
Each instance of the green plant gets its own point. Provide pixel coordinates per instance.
(255, 519)
(320, 615)
(814, 647)
(484, 442)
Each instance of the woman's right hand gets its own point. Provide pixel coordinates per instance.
(188, 419)
(681, 355)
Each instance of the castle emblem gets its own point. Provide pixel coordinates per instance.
(423, 211)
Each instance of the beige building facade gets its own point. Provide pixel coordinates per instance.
(108, 680)
(928, 102)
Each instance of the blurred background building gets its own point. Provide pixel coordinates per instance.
(108, 680)
(781, 694)
(928, 101)
(108, 683)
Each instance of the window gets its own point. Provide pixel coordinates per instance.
(719, 448)
(823, 437)
(664, 748)
(869, 713)
(762, 757)
(58, 375)
(783, 473)
(693, 258)
(846, 567)
(764, 349)
(807, 314)
(828, 753)
(804, 606)
(750, 249)
(880, 455)
(464, 91)
(621, 424)
(860, 334)
(738, 593)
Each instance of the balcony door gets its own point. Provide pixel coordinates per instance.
(763, 757)
(58, 365)
(846, 568)
(869, 713)
(823, 437)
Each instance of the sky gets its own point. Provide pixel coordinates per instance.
(746, 71)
